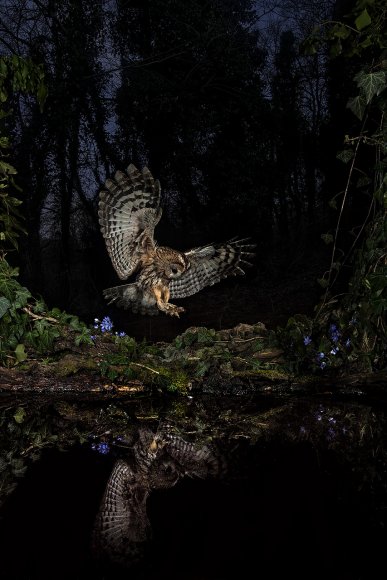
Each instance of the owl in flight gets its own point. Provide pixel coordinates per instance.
(129, 210)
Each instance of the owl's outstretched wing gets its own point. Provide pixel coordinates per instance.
(129, 210)
(210, 264)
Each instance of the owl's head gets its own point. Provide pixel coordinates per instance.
(176, 267)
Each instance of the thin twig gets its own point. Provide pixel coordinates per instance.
(38, 317)
(241, 339)
(145, 367)
(329, 284)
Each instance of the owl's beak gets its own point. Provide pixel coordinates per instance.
(156, 444)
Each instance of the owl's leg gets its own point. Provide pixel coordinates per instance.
(162, 296)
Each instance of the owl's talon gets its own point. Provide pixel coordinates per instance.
(172, 310)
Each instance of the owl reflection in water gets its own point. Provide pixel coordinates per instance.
(122, 530)
(129, 210)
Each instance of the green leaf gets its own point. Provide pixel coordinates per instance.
(4, 142)
(328, 238)
(363, 181)
(323, 282)
(20, 353)
(357, 106)
(4, 305)
(363, 20)
(21, 298)
(371, 84)
(202, 368)
(20, 415)
(7, 169)
(345, 155)
(332, 203)
(341, 31)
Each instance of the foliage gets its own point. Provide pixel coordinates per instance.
(360, 315)
(27, 326)
(16, 75)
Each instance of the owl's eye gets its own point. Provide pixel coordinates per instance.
(174, 269)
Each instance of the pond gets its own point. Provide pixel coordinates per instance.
(196, 488)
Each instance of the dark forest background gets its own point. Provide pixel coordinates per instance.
(219, 100)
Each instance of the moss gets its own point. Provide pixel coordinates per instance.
(176, 380)
(70, 364)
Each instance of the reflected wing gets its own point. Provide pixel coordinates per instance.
(129, 210)
(210, 264)
(122, 527)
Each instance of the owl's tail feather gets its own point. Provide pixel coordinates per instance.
(131, 297)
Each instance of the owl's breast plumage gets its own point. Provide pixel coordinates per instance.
(152, 275)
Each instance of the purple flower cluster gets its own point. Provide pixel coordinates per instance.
(337, 343)
(102, 448)
(106, 326)
(334, 333)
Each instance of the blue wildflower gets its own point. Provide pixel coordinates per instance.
(93, 337)
(334, 350)
(321, 355)
(122, 334)
(307, 340)
(106, 324)
(334, 333)
(323, 364)
(348, 342)
(102, 448)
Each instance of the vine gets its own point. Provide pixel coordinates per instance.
(350, 330)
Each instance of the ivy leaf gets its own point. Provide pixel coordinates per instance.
(332, 203)
(357, 106)
(341, 31)
(20, 415)
(202, 368)
(328, 238)
(21, 297)
(363, 20)
(7, 169)
(323, 282)
(206, 335)
(363, 181)
(4, 305)
(345, 155)
(20, 353)
(371, 84)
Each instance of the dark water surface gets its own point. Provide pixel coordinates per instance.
(196, 489)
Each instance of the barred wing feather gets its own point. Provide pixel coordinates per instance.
(129, 210)
(210, 264)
